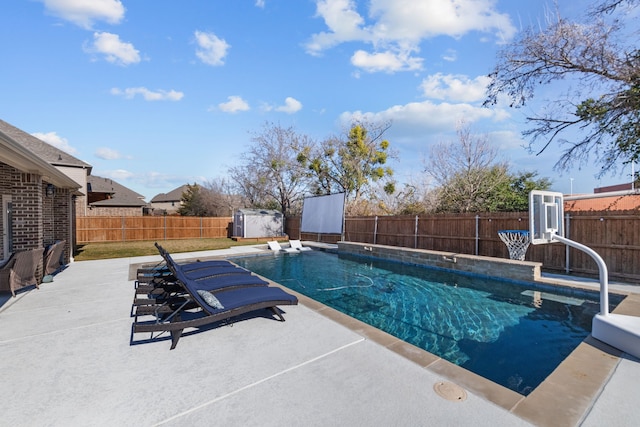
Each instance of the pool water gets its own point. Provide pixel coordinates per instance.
(511, 333)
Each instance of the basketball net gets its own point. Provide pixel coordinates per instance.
(517, 242)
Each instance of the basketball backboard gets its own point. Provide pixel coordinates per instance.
(546, 216)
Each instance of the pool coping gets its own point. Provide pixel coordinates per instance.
(563, 398)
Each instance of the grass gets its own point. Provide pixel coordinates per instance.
(93, 251)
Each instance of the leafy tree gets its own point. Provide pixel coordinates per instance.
(599, 113)
(270, 175)
(350, 164)
(193, 202)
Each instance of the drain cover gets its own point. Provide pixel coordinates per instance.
(450, 391)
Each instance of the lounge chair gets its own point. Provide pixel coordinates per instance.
(221, 274)
(225, 267)
(20, 270)
(275, 246)
(199, 307)
(297, 245)
(161, 291)
(53, 257)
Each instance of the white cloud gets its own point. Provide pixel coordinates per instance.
(148, 95)
(109, 154)
(260, 4)
(114, 50)
(414, 20)
(291, 105)
(235, 104)
(56, 140)
(118, 174)
(450, 55)
(211, 49)
(385, 61)
(457, 88)
(423, 118)
(398, 27)
(84, 12)
(343, 21)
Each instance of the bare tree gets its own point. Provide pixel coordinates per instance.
(270, 175)
(598, 60)
(467, 172)
(222, 197)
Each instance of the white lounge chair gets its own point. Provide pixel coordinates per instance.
(275, 246)
(297, 245)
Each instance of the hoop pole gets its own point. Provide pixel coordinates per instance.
(604, 275)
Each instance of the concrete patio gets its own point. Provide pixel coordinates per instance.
(67, 360)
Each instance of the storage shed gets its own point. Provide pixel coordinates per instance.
(258, 223)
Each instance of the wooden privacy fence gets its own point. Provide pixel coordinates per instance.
(128, 228)
(615, 235)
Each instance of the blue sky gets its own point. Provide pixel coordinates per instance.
(156, 94)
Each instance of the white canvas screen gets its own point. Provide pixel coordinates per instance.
(323, 214)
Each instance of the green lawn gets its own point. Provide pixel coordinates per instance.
(91, 251)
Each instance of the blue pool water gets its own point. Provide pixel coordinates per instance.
(512, 334)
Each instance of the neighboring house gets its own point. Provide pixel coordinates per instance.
(168, 203)
(105, 197)
(623, 197)
(38, 193)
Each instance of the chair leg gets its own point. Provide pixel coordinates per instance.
(277, 312)
(175, 334)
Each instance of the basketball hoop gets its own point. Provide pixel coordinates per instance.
(517, 242)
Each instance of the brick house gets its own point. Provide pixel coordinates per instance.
(38, 197)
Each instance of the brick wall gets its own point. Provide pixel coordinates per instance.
(38, 219)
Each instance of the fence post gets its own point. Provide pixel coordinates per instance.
(164, 227)
(567, 227)
(124, 233)
(477, 233)
(375, 230)
(415, 235)
(201, 227)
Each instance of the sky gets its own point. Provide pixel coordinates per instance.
(157, 94)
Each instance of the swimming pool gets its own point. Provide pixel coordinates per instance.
(510, 333)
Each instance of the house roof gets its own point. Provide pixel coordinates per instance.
(171, 196)
(619, 202)
(16, 151)
(119, 194)
(48, 152)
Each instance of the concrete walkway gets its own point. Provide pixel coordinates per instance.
(67, 360)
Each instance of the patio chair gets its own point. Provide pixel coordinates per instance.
(275, 246)
(199, 307)
(20, 270)
(297, 245)
(53, 257)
